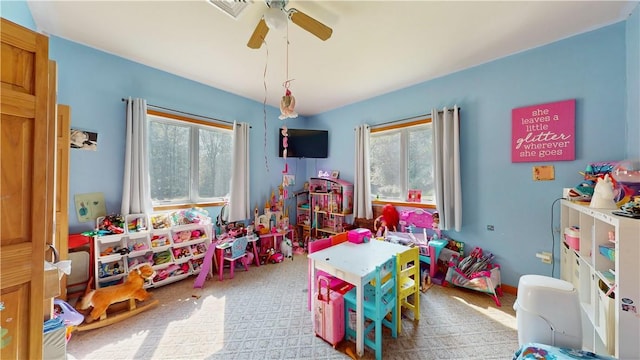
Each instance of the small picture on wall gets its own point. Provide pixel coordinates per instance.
(84, 140)
(288, 180)
(90, 206)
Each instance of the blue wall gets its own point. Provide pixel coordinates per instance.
(633, 84)
(591, 68)
(93, 84)
(18, 12)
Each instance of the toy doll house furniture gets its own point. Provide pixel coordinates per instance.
(379, 300)
(331, 200)
(408, 274)
(235, 250)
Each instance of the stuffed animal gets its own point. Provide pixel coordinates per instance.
(286, 248)
(132, 287)
(603, 194)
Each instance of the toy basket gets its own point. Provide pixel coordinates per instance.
(487, 280)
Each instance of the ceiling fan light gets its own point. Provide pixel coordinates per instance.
(275, 18)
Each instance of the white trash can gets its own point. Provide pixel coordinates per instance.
(548, 312)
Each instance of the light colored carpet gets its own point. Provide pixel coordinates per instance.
(262, 314)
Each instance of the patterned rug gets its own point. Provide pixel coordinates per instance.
(262, 314)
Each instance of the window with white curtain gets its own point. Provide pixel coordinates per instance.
(189, 160)
(400, 160)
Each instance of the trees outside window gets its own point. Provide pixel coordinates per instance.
(401, 159)
(190, 160)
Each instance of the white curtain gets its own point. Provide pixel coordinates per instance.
(362, 186)
(446, 162)
(136, 191)
(239, 208)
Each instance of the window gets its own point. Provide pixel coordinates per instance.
(189, 160)
(401, 159)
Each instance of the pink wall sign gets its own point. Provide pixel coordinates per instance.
(544, 132)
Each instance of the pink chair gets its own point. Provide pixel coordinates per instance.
(334, 283)
(238, 252)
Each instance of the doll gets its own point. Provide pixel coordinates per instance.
(388, 221)
(436, 225)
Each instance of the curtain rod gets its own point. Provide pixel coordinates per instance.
(186, 113)
(409, 118)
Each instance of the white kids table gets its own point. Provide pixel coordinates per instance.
(356, 264)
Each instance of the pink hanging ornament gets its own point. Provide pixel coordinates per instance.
(287, 106)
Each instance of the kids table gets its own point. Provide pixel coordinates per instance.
(356, 264)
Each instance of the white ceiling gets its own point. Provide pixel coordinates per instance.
(376, 47)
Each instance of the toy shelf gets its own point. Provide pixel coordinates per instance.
(171, 249)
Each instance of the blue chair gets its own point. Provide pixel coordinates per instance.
(238, 251)
(379, 301)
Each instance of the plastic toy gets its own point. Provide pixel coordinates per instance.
(603, 194)
(100, 299)
(286, 248)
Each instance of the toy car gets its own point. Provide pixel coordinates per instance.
(276, 258)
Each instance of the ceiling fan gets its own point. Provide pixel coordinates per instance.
(277, 14)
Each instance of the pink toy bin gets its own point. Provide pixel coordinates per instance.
(358, 236)
(572, 237)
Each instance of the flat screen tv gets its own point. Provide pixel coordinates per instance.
(305, 143)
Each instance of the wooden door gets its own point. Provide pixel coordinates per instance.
(62, 188)
(25, 193)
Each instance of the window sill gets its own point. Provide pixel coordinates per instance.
(186, 206)
(404, 204)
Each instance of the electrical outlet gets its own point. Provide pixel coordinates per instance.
(545, 257)
(490, 227)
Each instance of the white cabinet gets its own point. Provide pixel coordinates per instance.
(605, 269)
(174, 251)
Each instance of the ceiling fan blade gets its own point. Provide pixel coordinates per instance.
(310, 24)
(259, 34)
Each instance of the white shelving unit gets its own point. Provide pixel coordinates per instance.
(609, 290)
(174, 251)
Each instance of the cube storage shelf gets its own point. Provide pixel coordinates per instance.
(607, 284)
(174, 251)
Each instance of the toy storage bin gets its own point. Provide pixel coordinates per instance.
(162, 257)
(136, 223)
(140, 259)
(196, 264)
(199, 250)
(606, 316)
(608, 251)
(110, 247)
(109, 269)
(181, 254)
(572, 237)
(137, 244)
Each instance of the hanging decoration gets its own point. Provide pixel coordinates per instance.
(287, 110)
(288, 101)
(287, 104)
